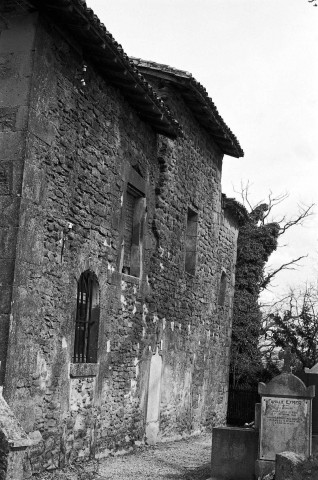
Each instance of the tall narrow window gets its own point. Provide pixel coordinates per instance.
(87, 319)
(4, 185)
(133, 231)
(191, 241)
(222, 290)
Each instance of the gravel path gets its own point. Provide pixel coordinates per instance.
(187, 459)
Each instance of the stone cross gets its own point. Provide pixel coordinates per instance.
(286, 355)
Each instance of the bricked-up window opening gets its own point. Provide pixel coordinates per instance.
(222, 290)
(191, 241)
(87, 319)
(133, 231)
(4, 186)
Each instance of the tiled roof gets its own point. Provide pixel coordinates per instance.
(110, 59)
(198, 101)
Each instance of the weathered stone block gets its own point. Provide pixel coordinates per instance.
(30, 247)
(15, 93)
(11, 146)
(8, 118)
(11, 177)
(13, 444)
(8, 242)
(6, 271)
(41, 127)
(289, 466)
(4, 336)
(20, 35)
(5, 299)
(9, 211)
(17, 64)
(234, 451)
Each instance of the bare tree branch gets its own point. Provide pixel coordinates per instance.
(304, 212)
(244, 193)
(273, 202)
(293, 322)
(285, 266)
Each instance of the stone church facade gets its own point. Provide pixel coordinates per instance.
(118, 248)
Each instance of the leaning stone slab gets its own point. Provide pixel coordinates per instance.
(13, 443)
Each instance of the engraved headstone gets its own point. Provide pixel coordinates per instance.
(285, 424)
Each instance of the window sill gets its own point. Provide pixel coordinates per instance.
(83, 370)
(190, 275)
(130, 278)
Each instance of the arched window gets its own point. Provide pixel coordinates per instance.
(87, 319)
(222, 290)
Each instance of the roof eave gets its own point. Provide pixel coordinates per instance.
(198, 101)
(111, 61)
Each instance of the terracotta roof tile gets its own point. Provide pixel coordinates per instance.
(199, 102)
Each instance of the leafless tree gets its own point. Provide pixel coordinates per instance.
(264, 215)
(292, 322)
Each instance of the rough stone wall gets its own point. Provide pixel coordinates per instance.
(77, 165)
(183, 309)
(82, 143)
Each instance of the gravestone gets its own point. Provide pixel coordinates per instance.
(285, 423)
(153, 404)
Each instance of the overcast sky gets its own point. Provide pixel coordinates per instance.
(258, 60)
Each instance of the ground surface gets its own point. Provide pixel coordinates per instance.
(187, 459)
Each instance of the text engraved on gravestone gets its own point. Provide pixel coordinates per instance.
(282, 411)
(285, 422)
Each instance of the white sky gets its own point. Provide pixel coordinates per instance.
(258, 60)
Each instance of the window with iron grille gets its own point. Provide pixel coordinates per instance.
(87, 319)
